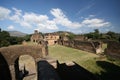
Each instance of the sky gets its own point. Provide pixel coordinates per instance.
(77, 16)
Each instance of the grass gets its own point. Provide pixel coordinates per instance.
(84, 59)
(89, 61)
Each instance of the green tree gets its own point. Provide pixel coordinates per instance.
(27, 37)
(4, 43)
(96, 34)
(71, 36)
(4, 38)
(113, 35)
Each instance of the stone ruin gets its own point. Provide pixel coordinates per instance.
(113, 49)
(90, 46)
(9, 57)
(51, 38)
(44, 46)
(36, 37)
(27, 68)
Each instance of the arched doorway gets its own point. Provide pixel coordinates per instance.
(26, 68)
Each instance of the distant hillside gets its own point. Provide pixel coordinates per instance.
(17, 33)
(61, 32)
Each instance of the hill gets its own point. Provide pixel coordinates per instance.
(61, 33)
(17, 33)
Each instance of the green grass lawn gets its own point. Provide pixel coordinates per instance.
(66, 54)
(90, 61)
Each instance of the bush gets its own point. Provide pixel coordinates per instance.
(4, 43)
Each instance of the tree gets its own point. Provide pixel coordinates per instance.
(89, 35)
(113, 35)
(4, 38)
(96, 31)
(27, 37)
(0, 30)
(93, 35)
(4, 43)
(96, 34)
(71, 36)
(119, 39)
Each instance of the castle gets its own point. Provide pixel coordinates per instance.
(36, 37)
(50, 38)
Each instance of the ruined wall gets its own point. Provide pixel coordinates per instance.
(12, 52)
(82, 45)
(113, 49)
(51, 38)
(36, 36)
(10, 55)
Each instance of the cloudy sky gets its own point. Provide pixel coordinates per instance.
(78, 16)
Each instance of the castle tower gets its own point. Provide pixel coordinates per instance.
(36, 36)
(36, 32)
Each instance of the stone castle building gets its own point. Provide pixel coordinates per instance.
(51, 38)
(36, 36)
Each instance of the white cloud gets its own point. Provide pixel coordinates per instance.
(44, 24)
(40, 21)
(61, 18)
(4, 13)
(34, 18)
(95, 22)
(17, 11)
(11, 27)
(17, 16)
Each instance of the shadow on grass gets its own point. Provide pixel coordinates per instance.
(74, 72)
(63, 72)
(112, 72)
(4, 69)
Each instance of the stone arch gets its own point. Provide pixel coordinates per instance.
(25, 67)
(11, 56)
(4, 69)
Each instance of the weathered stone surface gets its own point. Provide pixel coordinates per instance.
(12, 53)
(12, 71)
(94, 47)
(113, 49)
(51, 38)
(36, 36)
(27, 64)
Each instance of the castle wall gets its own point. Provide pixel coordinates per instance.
(82, 45)
(51, 39)
(113, 49)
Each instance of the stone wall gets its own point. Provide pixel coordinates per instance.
(9, 56)
(11, 53)
(36, 36)
(83, 45)
(51, 38)
(113, 49)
